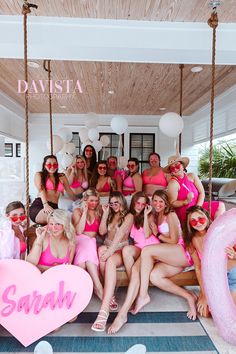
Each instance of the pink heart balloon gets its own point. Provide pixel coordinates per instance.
(32, 304)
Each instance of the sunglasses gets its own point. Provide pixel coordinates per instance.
(102, 168)
(200, 220)
(88, 150)
(112, 162)
(112, 204)
(131, 165)
(175, 167)
(51, 165)
(15, 218)
(141, 204)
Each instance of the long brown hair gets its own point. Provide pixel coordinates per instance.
(138, 217)
(189, 231)
(164, 196)
(45, 174)
(124, 208)
(95, 175)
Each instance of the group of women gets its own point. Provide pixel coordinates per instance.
(146, 238)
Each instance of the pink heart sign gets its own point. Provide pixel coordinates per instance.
(33, 304)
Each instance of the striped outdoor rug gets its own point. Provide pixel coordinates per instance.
(160, 332)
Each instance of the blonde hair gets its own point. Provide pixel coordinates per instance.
(63, 217)
(85, 172)
(91, 192)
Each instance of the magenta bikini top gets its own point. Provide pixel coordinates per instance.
(50, 186)
(105, 188)
(47, 258)
(77, 184)
(157, 180)
(129, 183)
(92, 227)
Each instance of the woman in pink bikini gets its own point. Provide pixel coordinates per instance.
(77, 176)
(12, 238)
(162, 261)
(132, 183)
(116, 223)
(55, 242)
(86, 222)
(186, 189)
(100, 180)
(142, 236)
(50, 185)
(154, 178)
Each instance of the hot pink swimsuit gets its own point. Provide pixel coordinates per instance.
(76, 184)
(139, 237)
(105, 188)
(187, 186)
(47, 258)
(128, 183)
(92, 227)
(157, 180)
(50, 186)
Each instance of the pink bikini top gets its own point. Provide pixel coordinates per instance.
(105, 188)
(47, 258)
(157, 180)
(23, 246)
(164, 229)
(50, 186)
(129, 183)
(92, 227)
(77, 184)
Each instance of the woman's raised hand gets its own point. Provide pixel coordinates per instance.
(105, 209)
(47, 209)
(41, 233)
(85, 207)
(230, 252)
(148, 209)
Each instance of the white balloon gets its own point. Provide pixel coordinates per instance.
(66, 160)
(119, 124)
(83, 134)
(65, 134)
(105, 140)
(122, 161)
(91, 120)
(70, 148)
(57, 144)
(137, 349)
(171, 124)
(43, 347)
(93, 134)
(97, 145)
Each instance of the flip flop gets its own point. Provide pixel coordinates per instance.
(101, 321)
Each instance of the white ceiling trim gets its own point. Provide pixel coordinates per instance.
(116, 40)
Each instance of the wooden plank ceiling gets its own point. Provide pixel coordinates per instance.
(138, 88)
(155, 10)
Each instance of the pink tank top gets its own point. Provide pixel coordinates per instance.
(47, 258)
(157, 180)
(50, 186)
(92, 227)
(139, 237)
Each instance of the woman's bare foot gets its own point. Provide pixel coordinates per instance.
(192, 312)
(117, 324)
(140, 303)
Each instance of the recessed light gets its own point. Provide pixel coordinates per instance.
(62, 107)
(162, 108)
(111, 92)
(197, 69)
(33, 64)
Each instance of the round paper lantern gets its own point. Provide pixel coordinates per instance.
(65, 134)
(43, 347)
(171, 124)
(91, 120)
(66, 160)
(93, 134)
(83, 134)
(122, 161)
(119, 124)
(105, 140)
(97, 145)
(70, 148)
(57, 144)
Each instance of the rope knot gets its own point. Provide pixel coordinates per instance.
(213, 20)
(26, 8)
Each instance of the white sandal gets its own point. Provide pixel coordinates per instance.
(101, 320)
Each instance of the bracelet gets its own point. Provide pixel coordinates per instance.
(45, 203)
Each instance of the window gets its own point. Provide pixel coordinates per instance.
(76, 140)
(141, 145)
(18, 150)
(8, 150)
(112, 148)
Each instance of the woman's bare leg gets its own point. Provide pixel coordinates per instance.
(132, 292)
(172, 254)
(112, 263)
(97, 285)
(102, 264)
(160, 278)
(130, 254)
(41, 218)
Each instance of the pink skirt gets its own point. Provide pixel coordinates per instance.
(86, 250)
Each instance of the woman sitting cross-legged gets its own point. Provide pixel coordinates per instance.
(55, 242)
(162, 261)
(116, 223)
(143, 236)
(86, 221)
